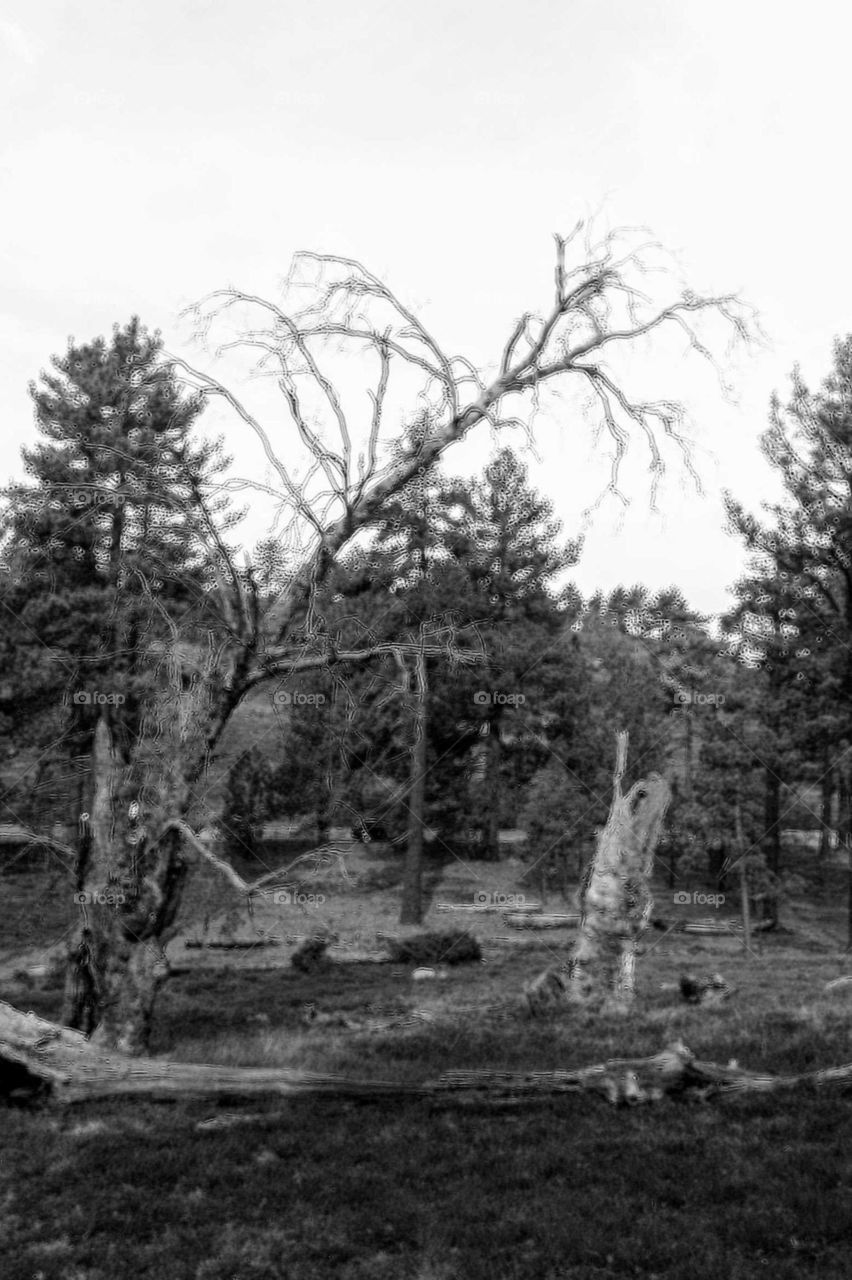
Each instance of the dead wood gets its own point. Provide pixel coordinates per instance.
(531, 921)
(69, 1069)
(710, 926)
(241, 945)
(490, 908)
(616, 902)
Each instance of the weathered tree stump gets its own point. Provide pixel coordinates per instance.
(616, 903)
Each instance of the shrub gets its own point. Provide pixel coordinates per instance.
(454, 947)
(310, 957)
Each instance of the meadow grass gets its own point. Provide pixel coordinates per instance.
(415, 1189)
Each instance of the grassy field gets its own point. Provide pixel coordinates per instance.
(417, 1190)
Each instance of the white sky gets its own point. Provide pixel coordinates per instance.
(151, 153)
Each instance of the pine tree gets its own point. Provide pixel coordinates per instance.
(251, 798)
(100, 546)
(507, 544)
(796, 603)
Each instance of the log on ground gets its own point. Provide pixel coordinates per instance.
(71, 1069)
(548, 921)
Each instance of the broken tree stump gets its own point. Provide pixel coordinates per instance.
(616, 904)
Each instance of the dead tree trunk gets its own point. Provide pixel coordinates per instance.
(412, 890)
(616, 904)
(744, 902)
(128, 898)
(491, 833)
(772, 839)
(844, 832)
(825, 830)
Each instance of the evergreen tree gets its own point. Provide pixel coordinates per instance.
(101, 544)
(251, 799)
(795, 610)
(507, 544)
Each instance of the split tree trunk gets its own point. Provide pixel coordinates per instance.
(617, 903)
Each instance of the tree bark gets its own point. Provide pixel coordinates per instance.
(844, 832)
(412, 889)
(491, 832)
(849, 900)
(844, 807)
(325, 805)
(772, 837)
(718, 858)
(744, 902)
(79, 999)
(825, 831)
(616, 905)
(116, 962)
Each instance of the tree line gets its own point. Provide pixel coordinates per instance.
(102, 548)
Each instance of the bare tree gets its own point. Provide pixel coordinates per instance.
(335, 310)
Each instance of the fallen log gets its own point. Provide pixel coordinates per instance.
(500, 940)
(69, 1069)
(550, 921)
(242, 944)
(709, 925)
(490, 908)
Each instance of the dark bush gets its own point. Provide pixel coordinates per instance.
(455, 947)
(310, 957)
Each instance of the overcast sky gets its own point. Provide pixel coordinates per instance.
(153, 152)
